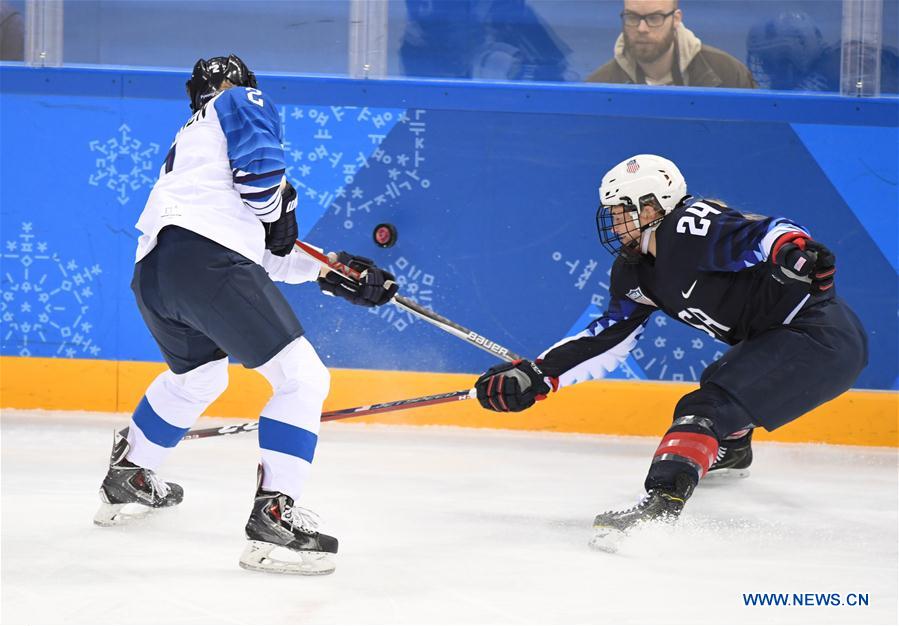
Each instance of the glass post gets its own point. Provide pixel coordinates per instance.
(368, 39)
(861, 47)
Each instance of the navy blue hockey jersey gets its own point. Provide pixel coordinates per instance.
(710, 271)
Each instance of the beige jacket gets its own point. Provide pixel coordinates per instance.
(697, 65)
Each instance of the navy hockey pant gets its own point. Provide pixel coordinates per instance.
(787, 371)
(768, 380)
(202, 301)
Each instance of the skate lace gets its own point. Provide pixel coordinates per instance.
(722, 450)
(158, 487)
(301, 518)
(643, 499)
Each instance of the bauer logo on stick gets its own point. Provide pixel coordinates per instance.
(489, 345)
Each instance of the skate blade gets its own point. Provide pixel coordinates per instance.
(120, 514)
(727, 474)
(606, 539)
(260, 556)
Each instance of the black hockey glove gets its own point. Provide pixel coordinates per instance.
(513, 386)
(796, 257)
(281, 235)
(374, 288)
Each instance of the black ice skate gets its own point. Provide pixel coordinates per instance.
(734, 458)
(130, 492)
(284, 538)
(612, 527)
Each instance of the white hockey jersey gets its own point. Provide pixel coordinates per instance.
(221, 179)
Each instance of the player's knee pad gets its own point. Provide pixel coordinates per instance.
(725, 414)
(199, 386)
(297, 369)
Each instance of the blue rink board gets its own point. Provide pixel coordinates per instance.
(491, 186)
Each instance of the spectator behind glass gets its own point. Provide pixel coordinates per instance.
(655, 48)
(12, 33)
(783, 53)
(788, 52)
(492, 39)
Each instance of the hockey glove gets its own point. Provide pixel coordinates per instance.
(513, 386)
(796, 257)
(281, 235)
(374, 288)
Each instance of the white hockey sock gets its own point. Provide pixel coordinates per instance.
(172, 404)
(288, 426)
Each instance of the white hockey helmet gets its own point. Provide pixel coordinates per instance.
(639, 180)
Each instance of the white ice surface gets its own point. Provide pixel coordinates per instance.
(442, 525)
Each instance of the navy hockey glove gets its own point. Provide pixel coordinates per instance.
(374, 288)
(281, 235)
(796, 257)
(513, 386)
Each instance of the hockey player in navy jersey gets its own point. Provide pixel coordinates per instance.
(218, 228)
(761, 284)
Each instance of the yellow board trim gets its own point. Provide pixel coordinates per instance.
(867, 418)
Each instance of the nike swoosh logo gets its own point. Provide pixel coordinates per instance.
(686, 294)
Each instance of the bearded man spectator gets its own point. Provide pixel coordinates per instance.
(655, 48)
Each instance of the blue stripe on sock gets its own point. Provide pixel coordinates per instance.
(281, 437)
(154, 427)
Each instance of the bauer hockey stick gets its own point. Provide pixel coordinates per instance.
(368, 409)
(444, 324)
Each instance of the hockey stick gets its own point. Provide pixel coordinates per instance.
(444, 324)
(368, 409)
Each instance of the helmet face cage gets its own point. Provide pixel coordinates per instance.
(208, 75)
(605, 224)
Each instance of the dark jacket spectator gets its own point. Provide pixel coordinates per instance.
(12, 34)
(788, 52)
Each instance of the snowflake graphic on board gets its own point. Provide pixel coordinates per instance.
(415, 284)
(327, 148)
(44, 301)
(123, 164)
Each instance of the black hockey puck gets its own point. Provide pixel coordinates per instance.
(384, 235)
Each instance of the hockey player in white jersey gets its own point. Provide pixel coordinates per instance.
(218, 228)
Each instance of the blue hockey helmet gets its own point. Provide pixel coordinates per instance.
(208, 74)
